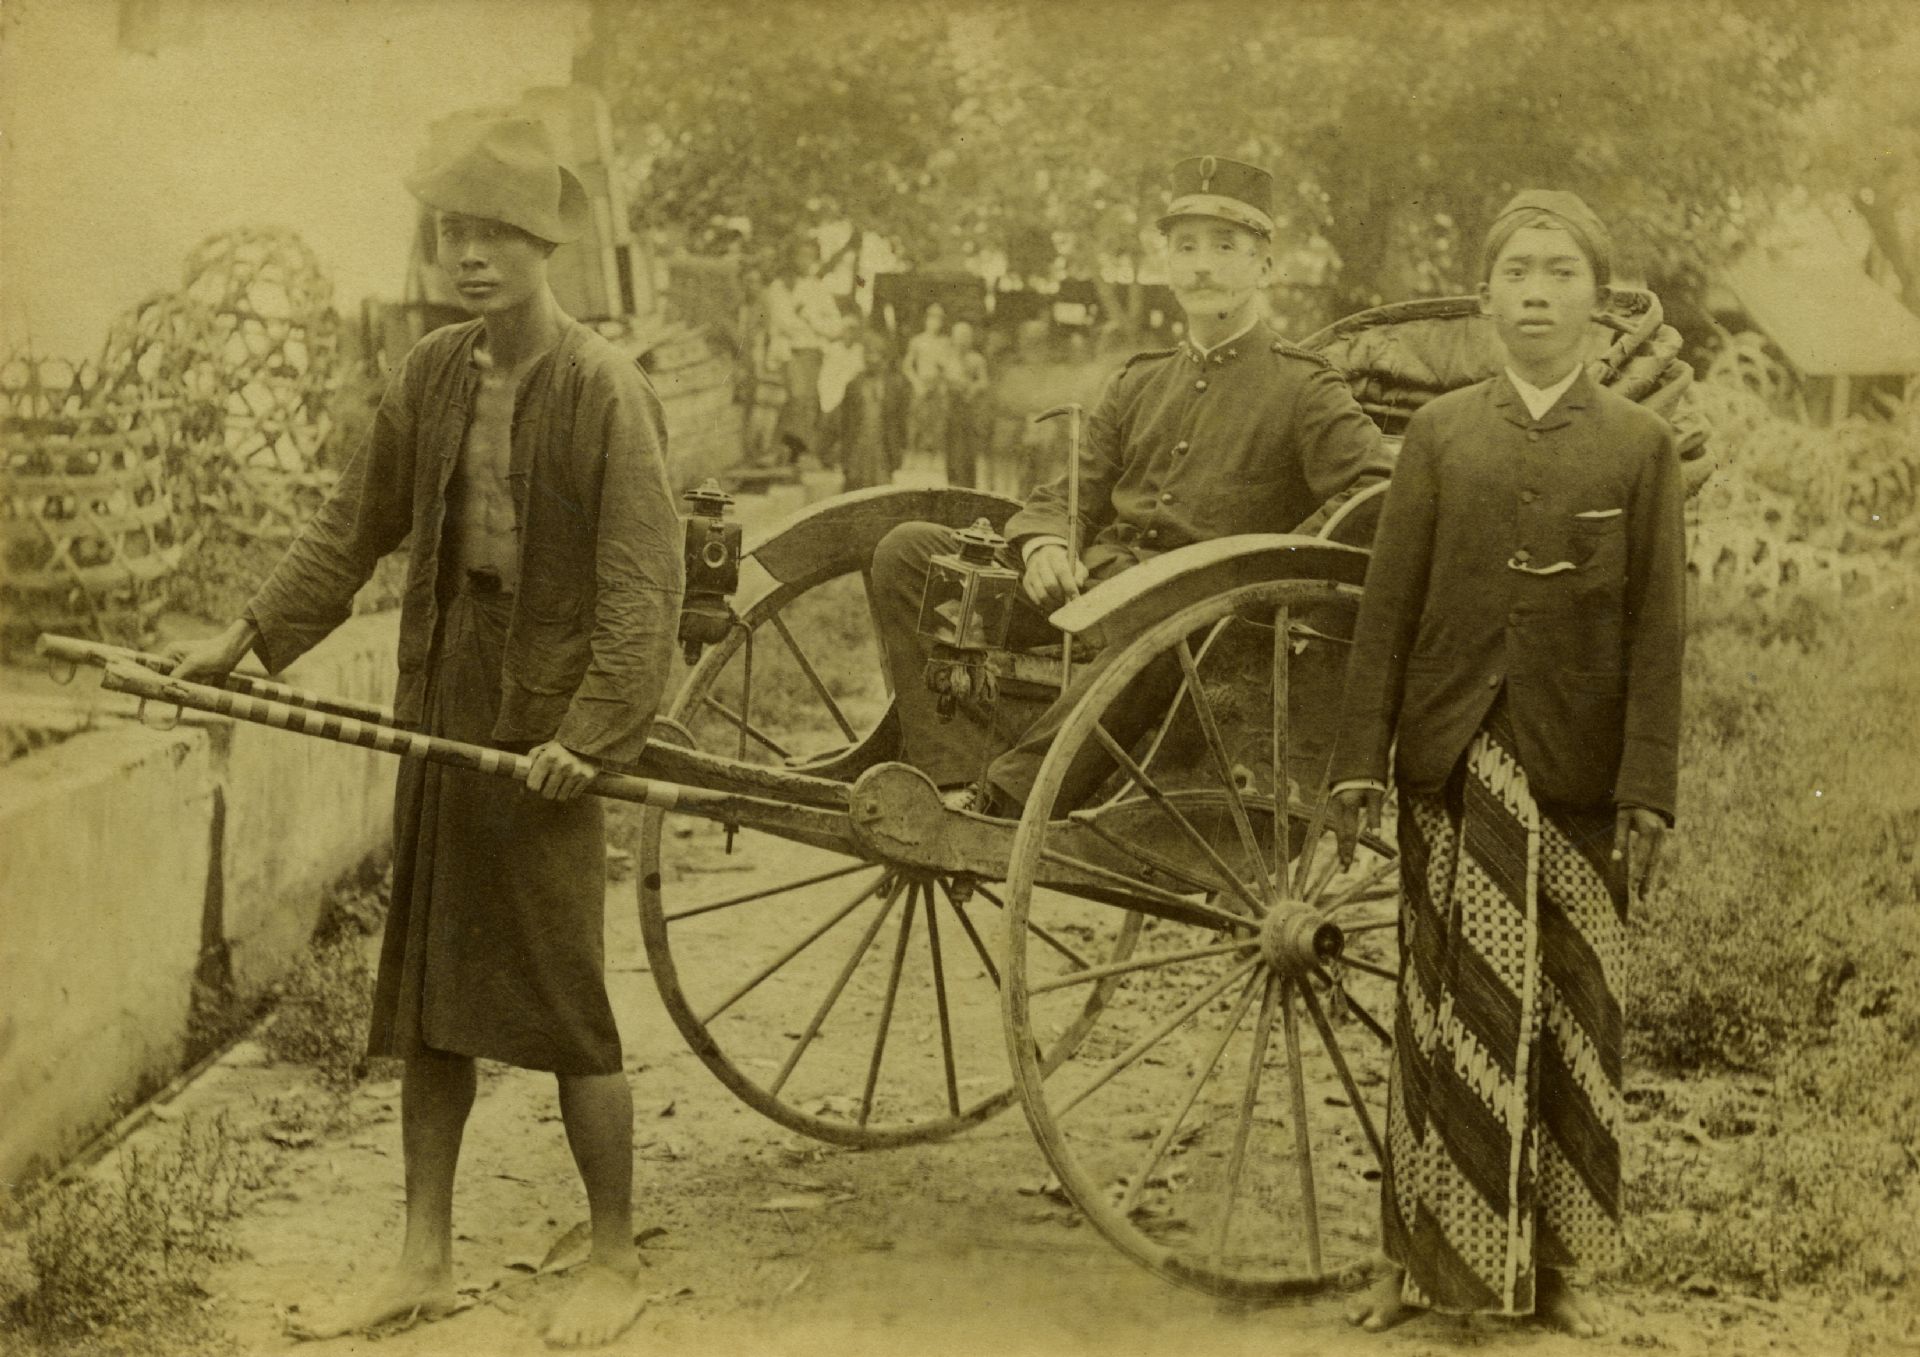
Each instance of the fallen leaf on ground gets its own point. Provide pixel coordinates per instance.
(293, 1137)
(1048, 1187)
(569, 1250)
(667, 1111)
(797, 1282)
(803, 1201)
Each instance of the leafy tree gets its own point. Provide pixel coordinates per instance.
(1395, 127)
(785, 114)
(1862, 137)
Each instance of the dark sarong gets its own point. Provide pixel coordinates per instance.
(494, 944)
(1504, 1106)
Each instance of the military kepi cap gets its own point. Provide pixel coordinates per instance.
(506, 170)
(1230, 190)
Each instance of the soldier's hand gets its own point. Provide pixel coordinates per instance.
(1638, 836)
(1052, 576)
(212, 656)
(558, 773)
(1345, 812)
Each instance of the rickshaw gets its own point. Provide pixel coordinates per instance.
(1190, 998)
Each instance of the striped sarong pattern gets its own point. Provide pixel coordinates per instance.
(1504, 1105)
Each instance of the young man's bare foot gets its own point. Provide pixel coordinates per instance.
(602, 1304)
(1381, 1307)
(1560, 1305)
(404, 1293)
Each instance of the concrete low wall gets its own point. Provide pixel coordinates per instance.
(132, 861)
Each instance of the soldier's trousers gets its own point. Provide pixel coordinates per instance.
(1007, 743)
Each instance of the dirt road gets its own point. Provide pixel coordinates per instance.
(761, 1241)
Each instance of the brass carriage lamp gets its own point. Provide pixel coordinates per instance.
(712, 556)
(964, 615)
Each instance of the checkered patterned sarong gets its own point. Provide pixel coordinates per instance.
(1504, 1107)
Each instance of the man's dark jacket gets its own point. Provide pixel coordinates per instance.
(589, 647)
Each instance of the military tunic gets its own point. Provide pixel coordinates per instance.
(1184, 446)
(1254, 436)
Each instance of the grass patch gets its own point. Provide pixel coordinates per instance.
(325, 1001)
(1773, 985)
(113, 1262)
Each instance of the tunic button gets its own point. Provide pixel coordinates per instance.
(1529, 496)
(1152, 533)
(1533, 435)
(1166, 497)
(1493, 680)
(1200, 385)
(1513, 619)
(1181, 446)
(1523, 555)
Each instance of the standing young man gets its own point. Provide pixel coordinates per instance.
(526, 459)
(1232, 431)
(1520, 644)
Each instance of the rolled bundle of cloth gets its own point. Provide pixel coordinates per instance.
(1399, 357)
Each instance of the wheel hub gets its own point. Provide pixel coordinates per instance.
(1295, 937)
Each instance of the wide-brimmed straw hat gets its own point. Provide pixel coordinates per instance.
(506, 170)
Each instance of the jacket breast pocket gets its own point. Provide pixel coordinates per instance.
(1598, 544)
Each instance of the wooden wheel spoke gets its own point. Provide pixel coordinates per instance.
(1302, 1138)
(1222, 762)
(1355, 930)
(1360, 892)
(1153, 1038)
(1087, 977)
(818, 932)
(1282, 729)
(1316, 829)
(1079, 962)
(1182, 823)
(1237, 1157)
(973, 935)
(747, 728)
(940, 1003)
(746, 693)
(847, 969)
(1368, 968)
(1359, 1011)
(1328, 869)
(1339, 1058)
(767, 894)
(1156, 864)
(813, 676)
(886, 1008)
(1192, 909)
(1164, 1141)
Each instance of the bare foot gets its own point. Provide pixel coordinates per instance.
(602, 1304)
(1560, 1305)
(402, 1294)
(1381, 1308)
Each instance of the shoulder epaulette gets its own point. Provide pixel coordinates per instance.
(1146, 354)
(1295, 351)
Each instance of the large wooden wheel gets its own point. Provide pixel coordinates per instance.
(1221, 1121)
(841, 994)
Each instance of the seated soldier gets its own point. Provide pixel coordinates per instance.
(1232, 431)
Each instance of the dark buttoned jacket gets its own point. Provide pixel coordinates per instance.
(1545, 557)
(1253, 437)
(589, 647)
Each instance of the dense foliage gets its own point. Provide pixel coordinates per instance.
(1394, 128)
